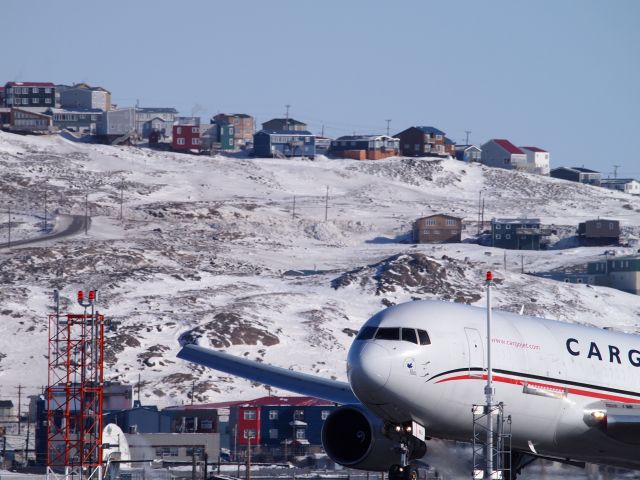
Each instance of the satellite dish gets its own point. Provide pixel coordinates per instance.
(117, 447)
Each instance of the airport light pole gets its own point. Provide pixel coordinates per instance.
(488, 389)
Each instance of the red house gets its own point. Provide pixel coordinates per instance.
(186, 135)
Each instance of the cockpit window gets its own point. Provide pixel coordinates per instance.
(388, 334)
(409, 335)
(367, 333)
(424, 337)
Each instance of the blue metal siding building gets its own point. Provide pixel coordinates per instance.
(284, 143)
(140, 419)
(517, 233)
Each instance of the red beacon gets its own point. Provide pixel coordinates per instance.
(489, 277)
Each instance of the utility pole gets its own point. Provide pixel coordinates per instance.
(479, 210)
(26, 447)
(322, 134)
(488, 389)
(19, 387)
(9, 223)
(121, 196)
(388, 122)
(505, 261)
(326, 204)
(86, 213)
(138, 389)
(286, 124)
(248, 472)
(45, 208)
(293, 214)
(467, 132)
(521, 263)
(193, 388)
(615, 171)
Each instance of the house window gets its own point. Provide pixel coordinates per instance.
(249, 414)
(47, 90)
(47, 100)
(431, 221)
(508, 227)
(179, 130)
(506, 161)
(194, 129)
(195, 141)
(416, 147)
(451, 221)
(34, 90)
(249, 433)
(301, 434)
(35, 100)
(180, 141)
(273, 414)
(25, 101)
(273, 433)
(324, 414)
(206, 424)
(498, 226)
(498, 236)
(507, 236)
(610, 225)
(298, 414)
(167, 452)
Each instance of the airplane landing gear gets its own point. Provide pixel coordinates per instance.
(398, 472)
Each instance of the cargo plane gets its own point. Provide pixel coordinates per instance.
(415, 371)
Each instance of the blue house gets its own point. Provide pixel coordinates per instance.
(147, 419)
(468, 153)
(517, 233)
(284, 143)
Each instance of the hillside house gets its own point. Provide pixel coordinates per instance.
(438, 228)
(425, 142)
(599, 232)
(7, 413)
(186, 134)
(538, 160)
(37, 95)
(621, 273)
(468, 153)
(85, 97)
(2, 97)
(27, 121)
(155, 120)
(223, 136)
(577, 174)
(365, 147)
(517, 233)
(115, 124)
(501, 153)
(626, 185)
(284, 124)
(242, 128)
(77, 120)
(284, 143)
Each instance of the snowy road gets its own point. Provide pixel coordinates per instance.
(66, 225)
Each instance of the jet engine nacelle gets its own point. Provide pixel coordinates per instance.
(355, 438)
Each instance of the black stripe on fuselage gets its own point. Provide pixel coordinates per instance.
(540, 377)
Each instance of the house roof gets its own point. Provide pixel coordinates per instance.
(430, 130)
(439, 215)
(239, 115)
(534, 149)
(286, 132)
(6, 404)
(86, 86)
(75, 110)
(584, 170)
(156, 110)
(507, 145)
(29, 84)
(515, 220)
(448, 141)
(618, 181)
(290, 121)
(461, 148)
(364, 137)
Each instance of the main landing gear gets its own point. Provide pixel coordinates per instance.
(398, 472)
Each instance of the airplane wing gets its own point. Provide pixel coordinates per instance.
(302, 383)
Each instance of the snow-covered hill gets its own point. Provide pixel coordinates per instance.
(206, 247)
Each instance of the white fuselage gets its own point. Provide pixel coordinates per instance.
(548, 374)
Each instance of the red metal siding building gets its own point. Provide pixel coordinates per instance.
(186, 137)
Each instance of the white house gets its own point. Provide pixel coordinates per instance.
(503, 154)
(626, 185)
(537, 160)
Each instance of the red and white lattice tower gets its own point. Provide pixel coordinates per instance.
(74, 393)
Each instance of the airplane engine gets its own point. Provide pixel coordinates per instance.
(355, 438)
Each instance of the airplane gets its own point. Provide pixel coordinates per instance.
(415, 371)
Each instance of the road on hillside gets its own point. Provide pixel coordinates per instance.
(76, 225)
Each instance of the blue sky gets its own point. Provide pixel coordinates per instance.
(562, 75)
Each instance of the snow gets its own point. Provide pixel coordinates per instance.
(204, 242)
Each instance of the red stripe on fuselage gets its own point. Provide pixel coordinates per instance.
(550, 388)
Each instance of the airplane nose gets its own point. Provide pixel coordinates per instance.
(369, 371)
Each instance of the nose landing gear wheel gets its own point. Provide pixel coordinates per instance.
(398, 472)
(410, 473)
